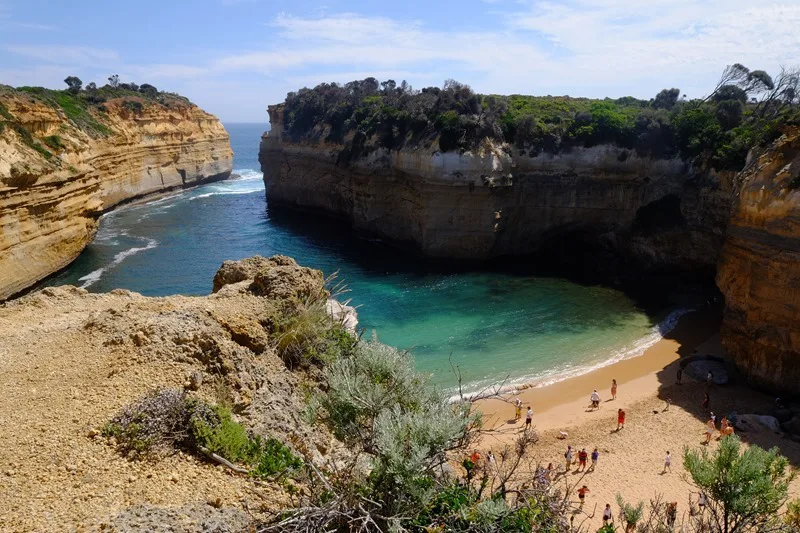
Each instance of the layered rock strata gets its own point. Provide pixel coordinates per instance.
(501, 201)
(51, 195)
(759, 271)
(655, 215)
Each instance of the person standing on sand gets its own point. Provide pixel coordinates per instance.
(613, 389)
(710, 428)
(582, 494)
(620, 419)
(528, 418)
(595, 398)
(517, 409)
(568, 458)
(595, 457)
(680, 375)
(607, 514)
(709, 378)
(706, 401)
(667, 464)
(582, 457)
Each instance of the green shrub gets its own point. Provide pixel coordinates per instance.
(745, 488)
(220, 434)
(165, 420)
(274, 458)
(54, 142)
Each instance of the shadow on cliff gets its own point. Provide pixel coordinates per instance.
(698, 336)
(652, 293)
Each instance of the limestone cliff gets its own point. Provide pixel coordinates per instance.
(759, 271)
(62, 166)
(499, 201)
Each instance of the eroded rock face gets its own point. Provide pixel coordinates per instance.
(759, 270)
(501, 201)
(49, 207)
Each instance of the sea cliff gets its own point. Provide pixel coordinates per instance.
(62, 166)
(497, 200)
(600, 207)
(759, 271)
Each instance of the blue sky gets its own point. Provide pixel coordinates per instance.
(234, 57)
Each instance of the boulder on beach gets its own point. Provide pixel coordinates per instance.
(756, 423)
(699, 370)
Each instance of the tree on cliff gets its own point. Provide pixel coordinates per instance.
(666, 98)
(745, 490)
(113, 80)
(74, 84)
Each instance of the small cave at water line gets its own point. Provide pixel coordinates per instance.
(661, 215)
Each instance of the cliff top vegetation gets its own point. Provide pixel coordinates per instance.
(744, 110)
(87, 108)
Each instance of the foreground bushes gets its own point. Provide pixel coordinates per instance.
(166, 420)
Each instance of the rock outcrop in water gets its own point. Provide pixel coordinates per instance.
(62, 167)
(759, 271)
(654, 214)
(500, 201)
(69, 360)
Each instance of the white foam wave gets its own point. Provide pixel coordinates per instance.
(246, 174)
(223, 193)
(564, 372)
(93, 277)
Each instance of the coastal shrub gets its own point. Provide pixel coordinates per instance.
(745, 489)
(54, 142)
(306, 334)
(166, 420)
(792, 517)
(630, 514)
(153, 425)
(716, 132)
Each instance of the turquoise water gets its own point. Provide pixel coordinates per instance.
(493, 324)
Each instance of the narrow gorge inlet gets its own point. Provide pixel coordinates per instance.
(474, 266)
(496, 324)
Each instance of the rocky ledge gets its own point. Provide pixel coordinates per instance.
(60, 172)
(69, 360)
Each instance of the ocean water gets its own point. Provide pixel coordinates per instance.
(494, 325)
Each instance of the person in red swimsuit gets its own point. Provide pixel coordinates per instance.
(582, 493)
(620, 419)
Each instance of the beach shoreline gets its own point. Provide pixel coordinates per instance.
(631, 459)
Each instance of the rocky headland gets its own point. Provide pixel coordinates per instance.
(71, 360)
(598, 196)
(64, 161)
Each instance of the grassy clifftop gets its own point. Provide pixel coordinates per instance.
(744, 110)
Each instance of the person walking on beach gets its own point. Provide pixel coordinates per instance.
(595, 457)
(706, 401)
(582, 457)
(607, 514)
(710, 428)
(680, 375)
(709, 378)
(613, 389)
(667, 464)
(582, 494)
(528, 418)
(620, 419)
(517, 409)
(595, 398)
(568, 458)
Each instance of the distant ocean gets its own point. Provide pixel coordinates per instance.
(494, 325)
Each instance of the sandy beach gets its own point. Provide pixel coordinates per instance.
(632, 459)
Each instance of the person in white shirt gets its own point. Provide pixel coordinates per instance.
(595, 399)
(667, 464)
(528, 418)
(607, 514)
